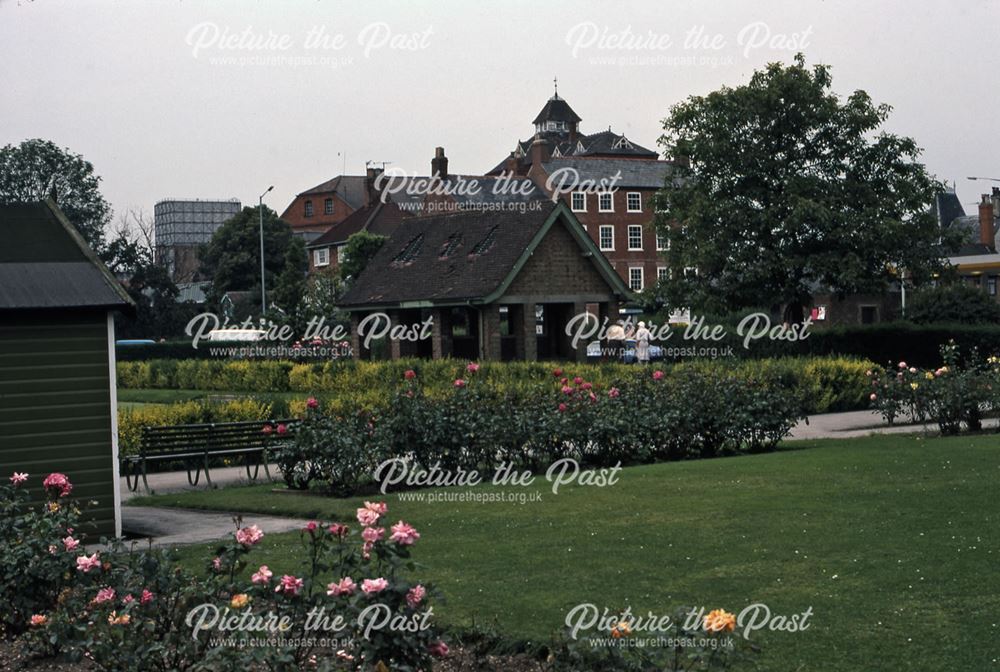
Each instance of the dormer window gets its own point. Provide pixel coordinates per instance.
(622, 143)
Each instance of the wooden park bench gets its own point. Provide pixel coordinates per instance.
(196, 445)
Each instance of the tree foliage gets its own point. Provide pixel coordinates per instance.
(38, 169)
(790, 188)
(955, 303)
(359, 250)
(232, 258)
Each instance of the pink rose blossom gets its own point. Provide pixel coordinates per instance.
(128, 599)
(410, 374)
(415, 595)
(372, 586)
(147, 597)
(577, 380)
(404, 534)
(268, 429)
(53, 549)
(373, 534)
(311, 402)
(593, 397)
(613, 393)
(367, 517)
(337, 530)
(366, 550)
(567, 390)
(85, 564)
(18, 478)
(562, 408)
(459, 382)
(70, 544)
(58, 482)
(557, 372)
(657, 375)
(902, 365)
(282, 428)
(438, 649)
(248, 536)
(345, 586)
(472, 367)
(378, 507)
(216, 563)
(289, 585)
(873, 397)
(311, 527)
(104, 595)
(586, 386)
(262, 575)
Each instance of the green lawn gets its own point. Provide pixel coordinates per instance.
(893, 542)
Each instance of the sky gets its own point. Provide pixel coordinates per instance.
(186, 99)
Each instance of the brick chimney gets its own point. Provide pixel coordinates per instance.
(439, 164)
(986, 230)
(541, 152)
(372, 193)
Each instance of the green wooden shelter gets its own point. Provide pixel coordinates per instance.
(57, 359)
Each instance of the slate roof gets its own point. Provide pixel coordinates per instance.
(350, 188)
(45, 263)
(381, 219)
(634, 173)
(557, 109)
(450, 259)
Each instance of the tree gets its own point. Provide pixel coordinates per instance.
(38, 169)
(955, 303)
(787, 188)
(290, 287)
(358, 251)
(232, 257)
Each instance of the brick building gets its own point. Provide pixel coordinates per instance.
(497, 285)
(315, 210)
(619, 178)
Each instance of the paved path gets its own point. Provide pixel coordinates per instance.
(860, 423)
(173, 527)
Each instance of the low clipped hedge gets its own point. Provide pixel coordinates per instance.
(132, 420)
(827, 384)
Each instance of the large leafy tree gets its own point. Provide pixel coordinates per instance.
(38, 169)
(789, 188)
(358, 251)
(232, 258)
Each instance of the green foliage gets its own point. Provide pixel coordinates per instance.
(232, 257)
(132, 420)
(359, 250)
(38, 169)
(788, 187)
(954, 303)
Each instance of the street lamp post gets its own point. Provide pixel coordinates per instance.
(987, 179)
(260, 210)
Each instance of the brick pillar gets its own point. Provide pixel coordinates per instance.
(440, 334)
(394, 351)
(491, 332)
(527, 332)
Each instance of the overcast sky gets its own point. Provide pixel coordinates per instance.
(220, 99)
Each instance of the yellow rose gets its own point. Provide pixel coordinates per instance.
(239, 601)
(914, 386)
(720, 620)
(929, 376)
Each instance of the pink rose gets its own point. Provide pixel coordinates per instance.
(373, 534)
(472, 367)
(18, 478)
(217, 563)
(557, 373)
(85, 564)
(567, 390)
(289, 585)
(459, 382)
(147, 597)
(311, 527)
(586, 386)
(248, 536)
(345, 586)
(104, 595)
(128, 599)
(367, 517)
(593, 397)
(577, 380)
(377, 507)
(338, 530)
(404, 534)
(372, 586)
(657, 375)
(282, 429)
(410, 374)
(613, 393)
(438, 649)
(267, 429)
(262, 575)
(58, 483)
(415, 595)
(902, 365)
(311, 402)
(873, 397)
(70, 544)
(562, 408)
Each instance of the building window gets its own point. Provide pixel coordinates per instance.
(661, 272)
(607, 238)
(691, 272)
(662, 242)
(634, 237)
(328, 206)
(869, 314)
(321, 257)
(605, 202)
(579, 203)
(991, 285)
(309, 208)
(635, 278)
(634, 201)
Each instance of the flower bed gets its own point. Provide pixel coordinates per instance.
(646, 416)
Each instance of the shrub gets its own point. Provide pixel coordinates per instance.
(953, 304)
